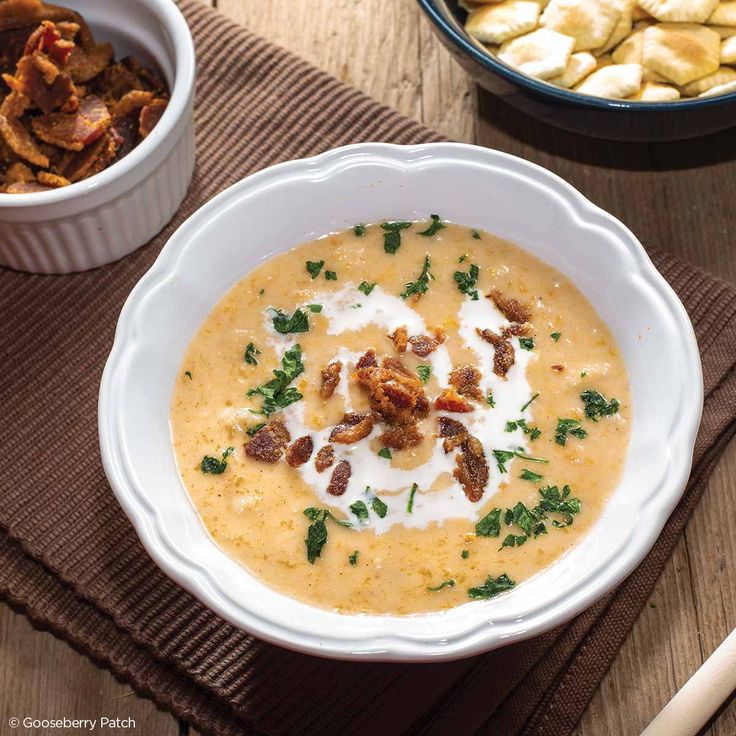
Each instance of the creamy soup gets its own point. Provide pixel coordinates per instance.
(400, 418)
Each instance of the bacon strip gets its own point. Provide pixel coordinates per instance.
(16, 136)
(150, 115)
(40, 80)
(74, 131)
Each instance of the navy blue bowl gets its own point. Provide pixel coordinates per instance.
(593, 116)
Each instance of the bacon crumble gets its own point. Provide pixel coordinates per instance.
(330, 379)
(465, 379)
(352, 428)
(424, 345)
(299, 451)
(324, 458)
(340, 476)
(268, 443)
(451, 400)
(402, 436)
(512, 309)
(399, 338)
(503, 351)
(393, 391)
(63, 111)
(472, 468)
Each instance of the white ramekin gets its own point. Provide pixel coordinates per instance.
(103, 218)
(280, 207)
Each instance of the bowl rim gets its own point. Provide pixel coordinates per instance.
(173, 21)
(438, 17)
(475, 639)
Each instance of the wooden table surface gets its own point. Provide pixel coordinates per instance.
(678, 196)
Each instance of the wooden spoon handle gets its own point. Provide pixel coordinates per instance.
(701, 696)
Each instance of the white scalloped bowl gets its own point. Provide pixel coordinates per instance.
(292, 203)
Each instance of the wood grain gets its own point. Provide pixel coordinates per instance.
(676, 196)
(42, 677)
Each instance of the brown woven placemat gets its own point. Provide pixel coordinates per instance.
(71, 561)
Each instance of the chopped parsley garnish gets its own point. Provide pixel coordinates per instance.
(465, 554)
(277, 394)
(317, 531)
(558, 502)
(527, 474)
(424, 372)
(385, 453)
(583, 374)
(188, 374)
(392, 235)
(491, 401)
(492, 587)
(314, 267)
(531, 459)
(503, 456)
(421, 285)
(316, 537)
(379, 507)
(313, 513)
(568, 426)
(261, 292)
(367, 288)
(596, 405)
(489, 525)
(353, 558)
(521, 424)
(330, 275)
(466, 281)
(214, 466)
(530, 402)
(463, 258)
(435, 226)
(524, 518)
(252, 430)
(513, 540)
(412, 493)
(315, 308)
(359, 231)
(360, 510)
(251, 353)
(284, 324)
(526, 343)
(476, 235)
(556, 336)
(444, 584)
